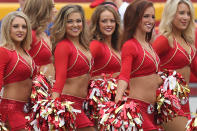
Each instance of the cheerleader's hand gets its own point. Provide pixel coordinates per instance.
(55, 95)
(118, 98)
(122, 85)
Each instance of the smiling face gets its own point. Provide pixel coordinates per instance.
(148, 20)
(182, 17)
(107, 23)
(74, 25)
(18, 30)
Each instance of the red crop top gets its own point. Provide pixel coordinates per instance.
(14, 68)
(105, 60)
(40, 51)
(69, 62)
(136, 61)
(176, 57)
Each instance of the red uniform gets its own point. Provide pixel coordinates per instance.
(147, 111)
(71, 62)
(137, 62)
(105, 60)
(13, 68)
(81, 119)
(174, 58)
(193, 78)
(40, 51)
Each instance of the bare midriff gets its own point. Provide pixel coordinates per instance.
(185, 72)
(144, 88)
(19, 91)
(48, 70)
(77, 86)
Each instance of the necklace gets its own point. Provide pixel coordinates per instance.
(152, 54)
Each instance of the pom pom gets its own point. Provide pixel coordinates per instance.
(192, 124)
(41, 88)
(100, 90)
(175, 82)
(125, 115)
(2, 124)
(52, 114)
(46, 113)
(170, 95)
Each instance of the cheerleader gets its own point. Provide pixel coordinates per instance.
(42, 14)
(176, 49)
(73, 60)
(139, 62)
(16, 69)
(105, 36)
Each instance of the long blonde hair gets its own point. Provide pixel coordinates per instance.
(6, 40)
(39, 13)
(58, 30)
(165, 27)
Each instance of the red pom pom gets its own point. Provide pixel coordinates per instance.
(192, 124)
(46, 113)
(169, 96)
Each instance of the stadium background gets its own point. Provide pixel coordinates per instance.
(7, 6)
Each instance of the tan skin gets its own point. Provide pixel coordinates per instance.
(77, 86)
(144, 87)
(180, 23)
(11, 91)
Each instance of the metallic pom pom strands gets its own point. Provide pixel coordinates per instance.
(125, 115)
(2, 124)
(172, 93)
(47, 113)
(192, 124)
